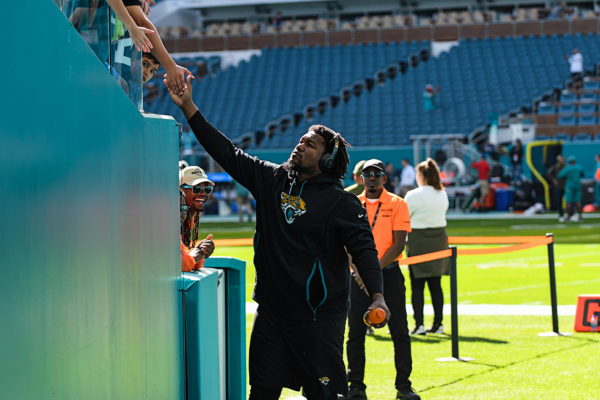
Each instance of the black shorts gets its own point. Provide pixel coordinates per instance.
(131, 2)
(294, 354)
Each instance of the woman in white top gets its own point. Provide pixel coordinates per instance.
(427, 206)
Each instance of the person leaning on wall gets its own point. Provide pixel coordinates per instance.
(195, 190)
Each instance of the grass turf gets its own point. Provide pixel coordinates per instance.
(512, 362)
(515, 278)
(586, 232)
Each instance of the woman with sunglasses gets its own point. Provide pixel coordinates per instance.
(196, 190)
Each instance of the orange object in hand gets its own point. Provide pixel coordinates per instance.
(374, 317)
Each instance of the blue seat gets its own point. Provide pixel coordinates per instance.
(582, 137)
(541, 137)
(588, 97)
(563, 136)
(568, 98)
(587, 108)
(591, 85)
(566, 120)
(587, 120)
(567, 109)
(545, 109)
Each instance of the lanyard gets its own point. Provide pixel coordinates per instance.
(376, 214)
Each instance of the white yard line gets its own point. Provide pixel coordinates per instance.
(481, 309)
(526, 287)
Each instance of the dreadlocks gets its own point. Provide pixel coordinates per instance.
(340, 166)
(189, 228)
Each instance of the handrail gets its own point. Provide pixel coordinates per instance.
(534, 171)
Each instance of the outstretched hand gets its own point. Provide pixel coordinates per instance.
(180, 99)
(176, 78)
(139, 38)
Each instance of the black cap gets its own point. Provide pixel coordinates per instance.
(374, 163)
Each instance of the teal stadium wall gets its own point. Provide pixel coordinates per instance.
(89, 206)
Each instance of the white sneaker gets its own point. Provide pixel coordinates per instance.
(439, 330)
(575, 218)
(562, 218)
(419, 330)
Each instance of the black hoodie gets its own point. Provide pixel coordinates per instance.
(302, 230)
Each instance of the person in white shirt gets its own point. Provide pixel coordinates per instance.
(427, 206)
(407, 178)
(576, 67)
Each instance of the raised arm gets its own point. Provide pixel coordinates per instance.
(241, 166)
(137, 33)
(175, 73)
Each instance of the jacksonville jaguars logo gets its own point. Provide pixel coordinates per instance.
(292, 207)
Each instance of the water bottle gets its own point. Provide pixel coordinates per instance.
(374, 317)
(594, 323)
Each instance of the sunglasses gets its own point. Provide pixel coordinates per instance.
(373, 174)
(199, 189)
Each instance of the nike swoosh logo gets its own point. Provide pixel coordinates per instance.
(361, 215)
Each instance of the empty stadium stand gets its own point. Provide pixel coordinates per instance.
(285, 86)
(242, 30)
(282, 82)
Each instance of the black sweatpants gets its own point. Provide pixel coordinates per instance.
(418, 301)
(394, 293)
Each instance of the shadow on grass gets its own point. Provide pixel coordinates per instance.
(579, 342)
(441, 338)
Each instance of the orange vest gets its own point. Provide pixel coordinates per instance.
(393, 215)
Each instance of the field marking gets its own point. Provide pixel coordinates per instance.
(516, 288)
(479, 309)
(556, 226)
(521, 265)
(589, 265)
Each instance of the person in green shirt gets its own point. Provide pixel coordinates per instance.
(358, 187)
(572, 173)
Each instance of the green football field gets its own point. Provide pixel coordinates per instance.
(511, 360)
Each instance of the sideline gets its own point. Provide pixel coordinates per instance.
(480, 309)
(450, 215)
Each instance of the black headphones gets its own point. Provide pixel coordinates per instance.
(327, 160)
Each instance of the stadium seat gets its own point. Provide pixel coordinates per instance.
(588, 97)
(591, 85)
(587, 120)
(546, 108)
(582, 137)
(562, 136)
(587, 108)
(566, 120)
(568, 98)
(567, 109)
